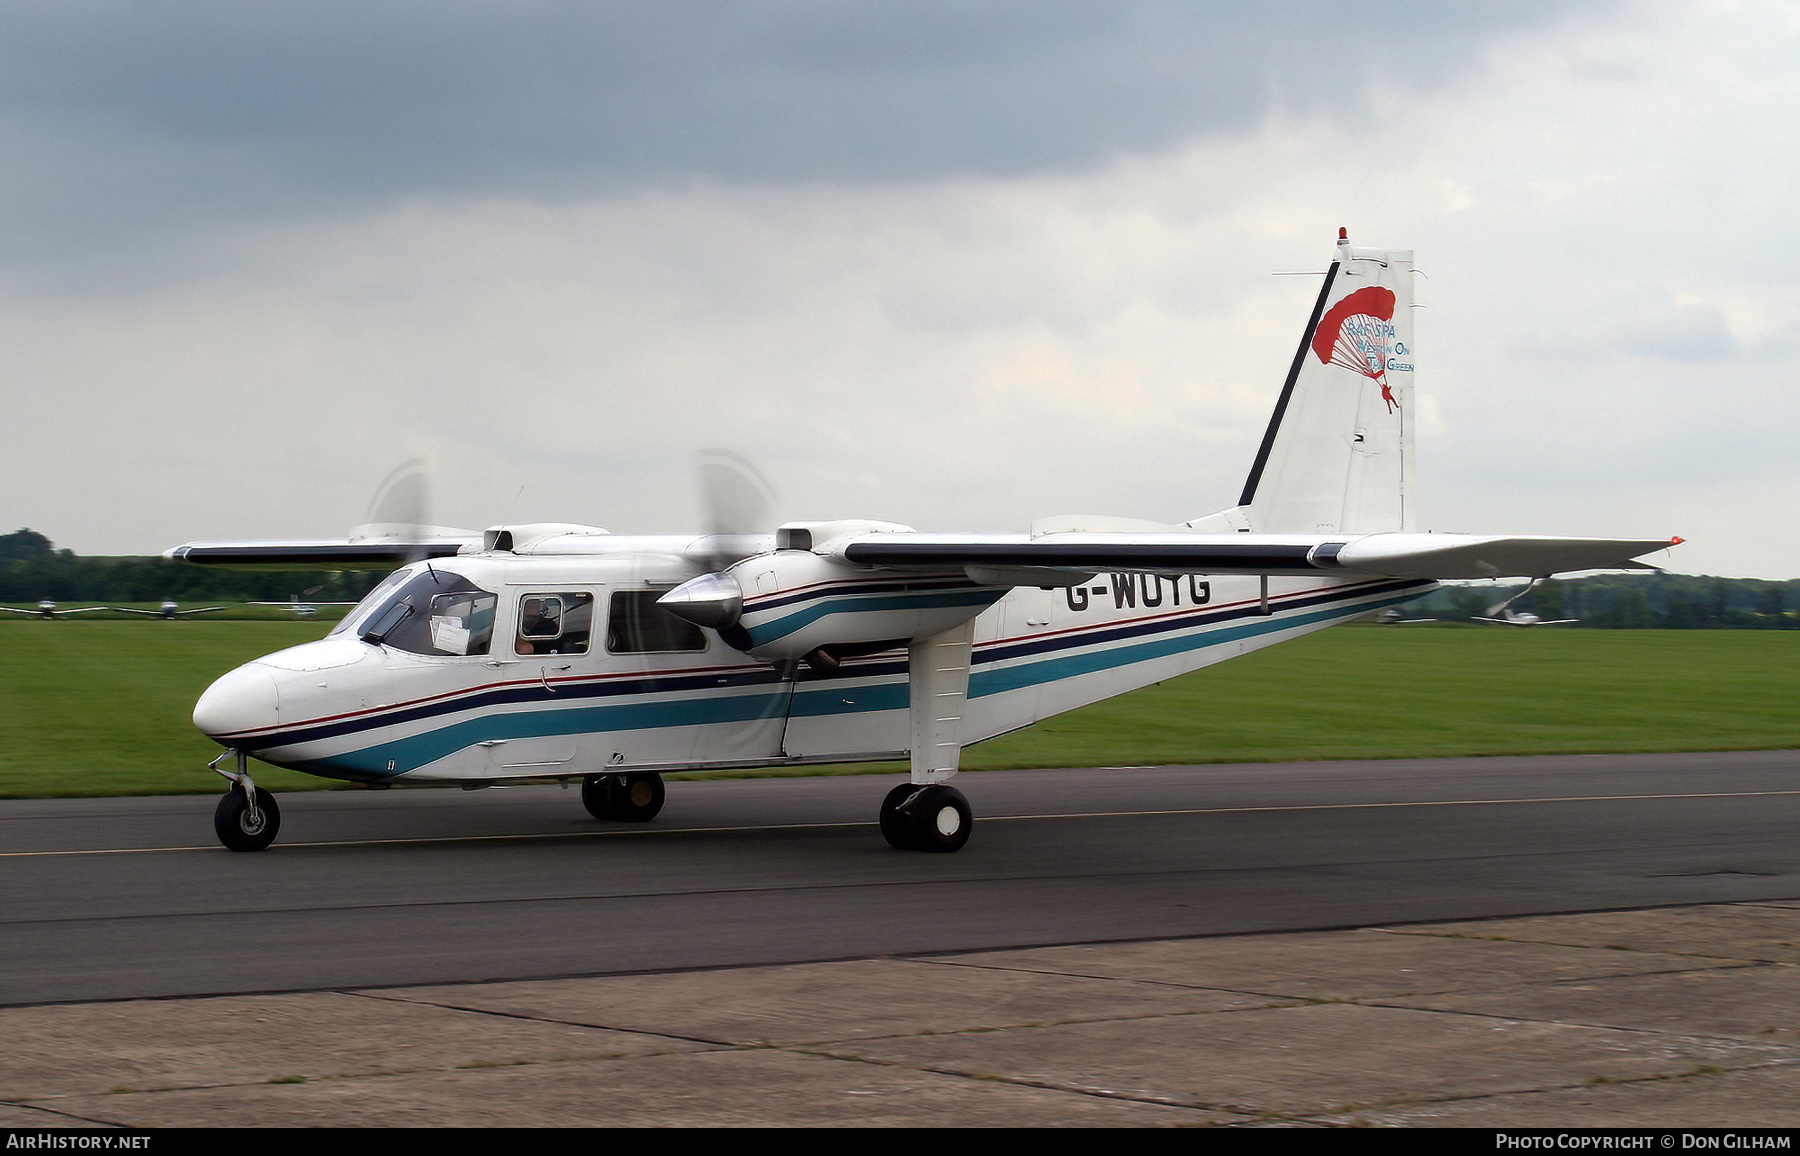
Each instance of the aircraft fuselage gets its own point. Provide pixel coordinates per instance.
(514, 667)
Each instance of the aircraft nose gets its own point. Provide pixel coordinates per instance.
(244, 700)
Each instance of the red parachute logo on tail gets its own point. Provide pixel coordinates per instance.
(1357, 334)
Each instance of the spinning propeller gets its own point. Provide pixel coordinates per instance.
(738, 504)
(398, 511)
(739, 508)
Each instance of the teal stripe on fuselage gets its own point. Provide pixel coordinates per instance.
(767, 632)
(1036, 672)
(1002, 679)
(416, 751)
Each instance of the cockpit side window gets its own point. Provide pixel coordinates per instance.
(559, 623)
(463, 622)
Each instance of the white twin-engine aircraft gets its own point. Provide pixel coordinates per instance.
(560, 652)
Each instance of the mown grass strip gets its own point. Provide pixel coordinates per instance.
(102, 708)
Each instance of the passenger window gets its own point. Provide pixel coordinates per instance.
(637, 625)
(555, 623)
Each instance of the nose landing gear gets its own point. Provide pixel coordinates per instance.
(247, 818)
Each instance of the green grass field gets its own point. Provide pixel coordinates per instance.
(322, 616)
(102, 708)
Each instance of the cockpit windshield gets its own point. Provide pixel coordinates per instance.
(349, 623)
(429, 610)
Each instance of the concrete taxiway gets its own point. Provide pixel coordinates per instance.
(1680, 1017)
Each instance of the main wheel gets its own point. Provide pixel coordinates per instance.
(897, 825)
(941, 819)
(934, 818)
(596, 797)
(241, 831)
(635, 798)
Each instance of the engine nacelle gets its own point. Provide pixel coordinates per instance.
(789, 603)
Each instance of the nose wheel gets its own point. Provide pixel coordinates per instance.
(926, 818)
(242, 826)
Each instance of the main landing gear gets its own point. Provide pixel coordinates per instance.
(932, 817)
(247, 818)
(636, 798)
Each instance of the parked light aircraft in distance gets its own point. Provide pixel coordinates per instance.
(1503, 614)
(47, 608)
(170, 609)
(1510, 617)
(562, 652)
(302, 608)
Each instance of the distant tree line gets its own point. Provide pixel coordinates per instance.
(31, 568)
(1639, 601)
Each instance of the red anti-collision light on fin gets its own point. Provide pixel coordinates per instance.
(1343, 233)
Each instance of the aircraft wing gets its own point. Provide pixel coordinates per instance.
(1395, 555)
(321, 553)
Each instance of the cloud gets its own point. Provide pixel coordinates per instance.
(1609, 326)
(126, 118)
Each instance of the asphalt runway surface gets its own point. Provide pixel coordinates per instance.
(109, 899)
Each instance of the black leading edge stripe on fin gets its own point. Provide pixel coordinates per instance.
(1287, 389)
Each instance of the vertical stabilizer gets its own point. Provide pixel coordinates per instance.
(1338, 454)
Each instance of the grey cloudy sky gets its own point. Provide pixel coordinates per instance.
(950, 264)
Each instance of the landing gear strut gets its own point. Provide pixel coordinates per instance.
(925, 818)
(247, 818)
(634, 798)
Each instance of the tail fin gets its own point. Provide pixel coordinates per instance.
(1338, 454)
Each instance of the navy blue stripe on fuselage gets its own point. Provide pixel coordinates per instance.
(1200, 616)
(812, 698)
(765, 603)
(1249, 624)
(985, 678)
(514, 693)
(860, 602)
(409, 752)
